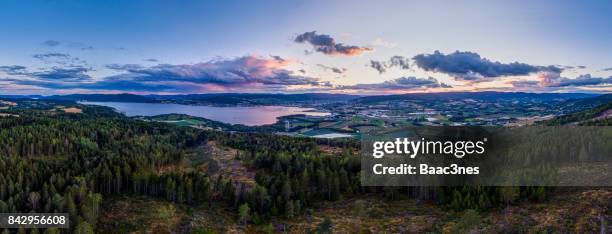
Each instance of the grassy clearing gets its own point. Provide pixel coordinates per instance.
(8, 115)
(140, 215)
(73, 110)
(215, 160)
(379, 216)
(8, 103)
(568, 212)
(580, 212)
(215, 219)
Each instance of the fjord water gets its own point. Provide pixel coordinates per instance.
(250, 116)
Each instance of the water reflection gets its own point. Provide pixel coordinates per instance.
(255, 115)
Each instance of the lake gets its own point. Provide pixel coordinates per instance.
(333, 135)
(250, 116)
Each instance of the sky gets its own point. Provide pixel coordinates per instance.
(368, 47)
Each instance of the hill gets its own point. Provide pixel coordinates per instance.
(600, 115)
(223, 99)
(203, 123)
(124, 97)
(255, 99)
(322, 98)
(586, 103)
(488, 96)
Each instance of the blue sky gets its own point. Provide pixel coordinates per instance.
(52, 46)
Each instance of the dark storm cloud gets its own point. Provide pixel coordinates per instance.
(470, 66)
(395, 61)
(328, 45)
(402, 83)
(338, 70)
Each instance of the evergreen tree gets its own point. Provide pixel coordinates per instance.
(244, 213)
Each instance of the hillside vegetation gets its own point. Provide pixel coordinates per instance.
(92, 164)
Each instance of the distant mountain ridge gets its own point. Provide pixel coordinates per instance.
(317, 98)
(589, 111)
(489, 95)
(21, 96)
(211, 99)
(124, 97)
(586, 104)
(592, 101)
(255, 99)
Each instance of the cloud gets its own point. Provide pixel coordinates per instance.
(124, 67)
(60, 59)
(51, 43)
(239, 71)
(327, 45)
(381, 67)
(63, 74)
(524, 83)
(79, 46)
(554, 80)
(381, 42)
(54, 74)
(470, 66)
(47, 56)
(151, 60)
(242, 73)
(338, 70)
(70, 45)
(395, 61)
(103, 85)
(137, 86)
(607, 69)
(402, 83)
(13, 70)
(399, 61)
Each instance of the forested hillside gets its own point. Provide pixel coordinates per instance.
(598, 116)
(67, 162)
(61, 162)
(71, 161)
